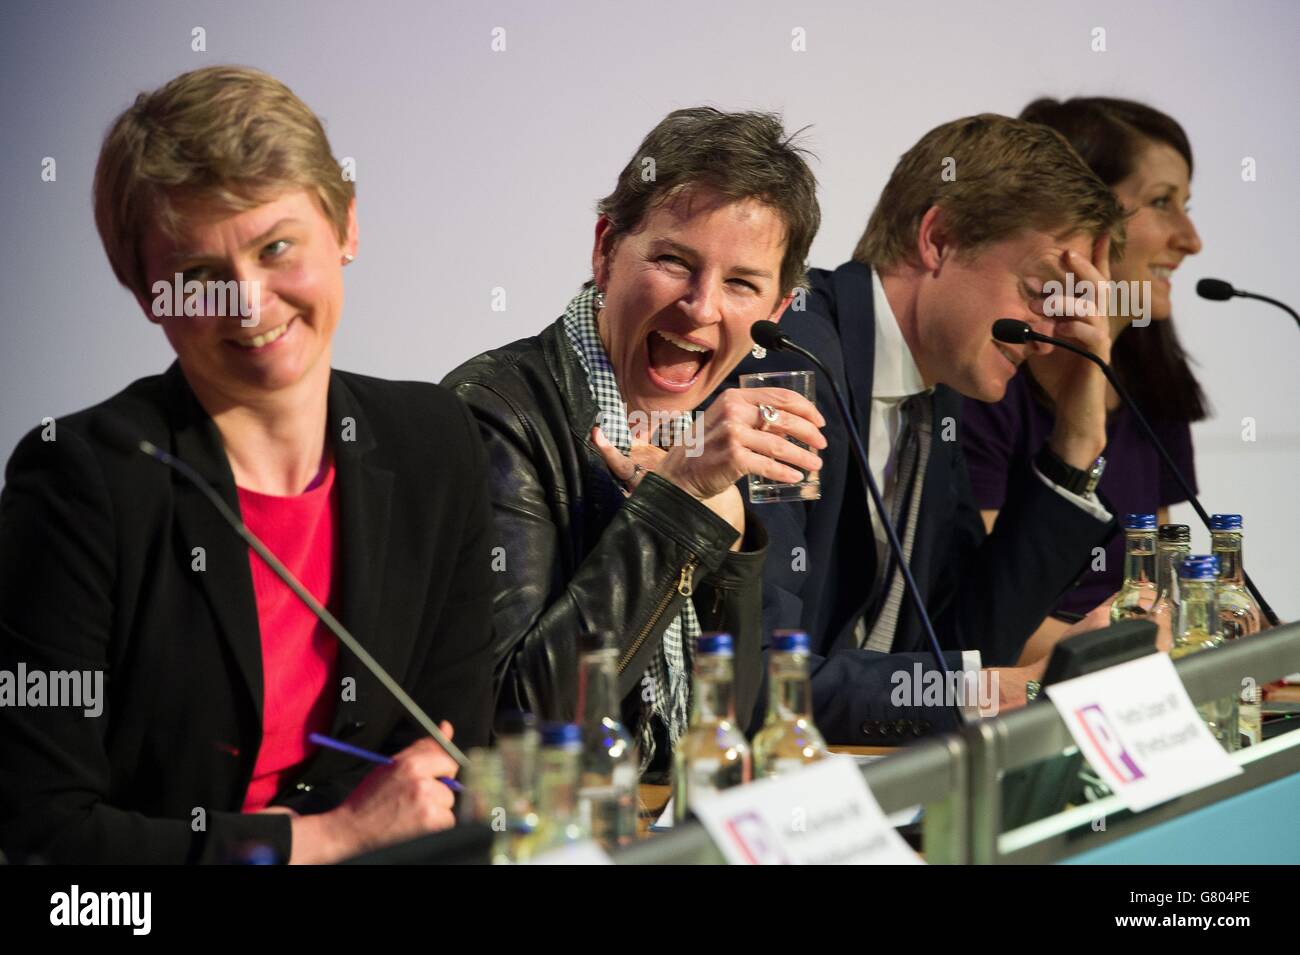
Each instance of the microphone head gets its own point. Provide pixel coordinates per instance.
(1011, 331)
(1216, 290)
(767, 335)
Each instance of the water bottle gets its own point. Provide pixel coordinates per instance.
(1198, 630)
(607, 794)
(1239, 614)
(1138, 592)
(788, 739)
(713, 754)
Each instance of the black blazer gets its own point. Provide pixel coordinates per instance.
(577, 555)
(983, 592)
(97, 557)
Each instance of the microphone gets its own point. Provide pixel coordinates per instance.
(1014, 332)
(1217, 290)
(117, 435)
(769, 335)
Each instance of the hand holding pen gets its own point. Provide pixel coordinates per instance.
(405, 796)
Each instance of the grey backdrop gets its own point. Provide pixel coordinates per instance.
(479, 169)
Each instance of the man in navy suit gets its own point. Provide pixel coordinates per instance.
(984, 218)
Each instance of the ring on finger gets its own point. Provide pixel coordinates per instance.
(767, 416)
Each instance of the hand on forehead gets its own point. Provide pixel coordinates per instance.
(1048, 258)
(1047, 267)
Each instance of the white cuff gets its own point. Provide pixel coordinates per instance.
(1088, 502)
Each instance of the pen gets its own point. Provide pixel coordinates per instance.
(330, 743)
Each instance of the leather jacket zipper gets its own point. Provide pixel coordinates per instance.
(685, 586)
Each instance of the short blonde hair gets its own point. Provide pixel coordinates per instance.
(231, 136)
(994, 177)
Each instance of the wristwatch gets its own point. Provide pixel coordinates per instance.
(1075, 480)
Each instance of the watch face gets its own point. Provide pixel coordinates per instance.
(1095, 472)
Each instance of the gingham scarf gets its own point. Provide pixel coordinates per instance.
(669, 669)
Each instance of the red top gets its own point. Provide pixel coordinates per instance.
(298, 654)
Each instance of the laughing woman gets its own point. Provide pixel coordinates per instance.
(604, 523)
(370, 491)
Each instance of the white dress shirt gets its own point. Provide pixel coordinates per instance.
(896, 378)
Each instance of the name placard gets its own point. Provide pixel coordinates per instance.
(823, 814)
(1137, 726)
(587, 852)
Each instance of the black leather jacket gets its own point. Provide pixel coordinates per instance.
(573, 554)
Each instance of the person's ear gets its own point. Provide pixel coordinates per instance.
(352, 236)
(782, 305)
(933, 245)
(602, 252)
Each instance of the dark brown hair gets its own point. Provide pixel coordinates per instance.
(994, 177)
(741, 155)
(1110, 134)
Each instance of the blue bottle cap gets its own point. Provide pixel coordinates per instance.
(1139, 522)
(790, 641)
(256, 853)
(714, 644)
(561, 734)
(1199, 567)
(1225, 522)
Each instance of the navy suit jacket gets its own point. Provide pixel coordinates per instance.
(985, 592)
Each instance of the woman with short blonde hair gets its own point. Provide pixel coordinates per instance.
(371, 492)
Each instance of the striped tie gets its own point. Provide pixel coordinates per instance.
(905, 505)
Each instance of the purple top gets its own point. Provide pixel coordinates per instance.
(1000, 441)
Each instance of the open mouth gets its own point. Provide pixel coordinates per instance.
(265, 339)
(674, 362)
(1162, 272)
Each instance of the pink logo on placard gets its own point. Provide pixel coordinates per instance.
(1106, 741)
(753, 838)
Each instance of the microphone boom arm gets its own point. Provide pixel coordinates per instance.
(913, 591)
(1272, 301)
(322, 613)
